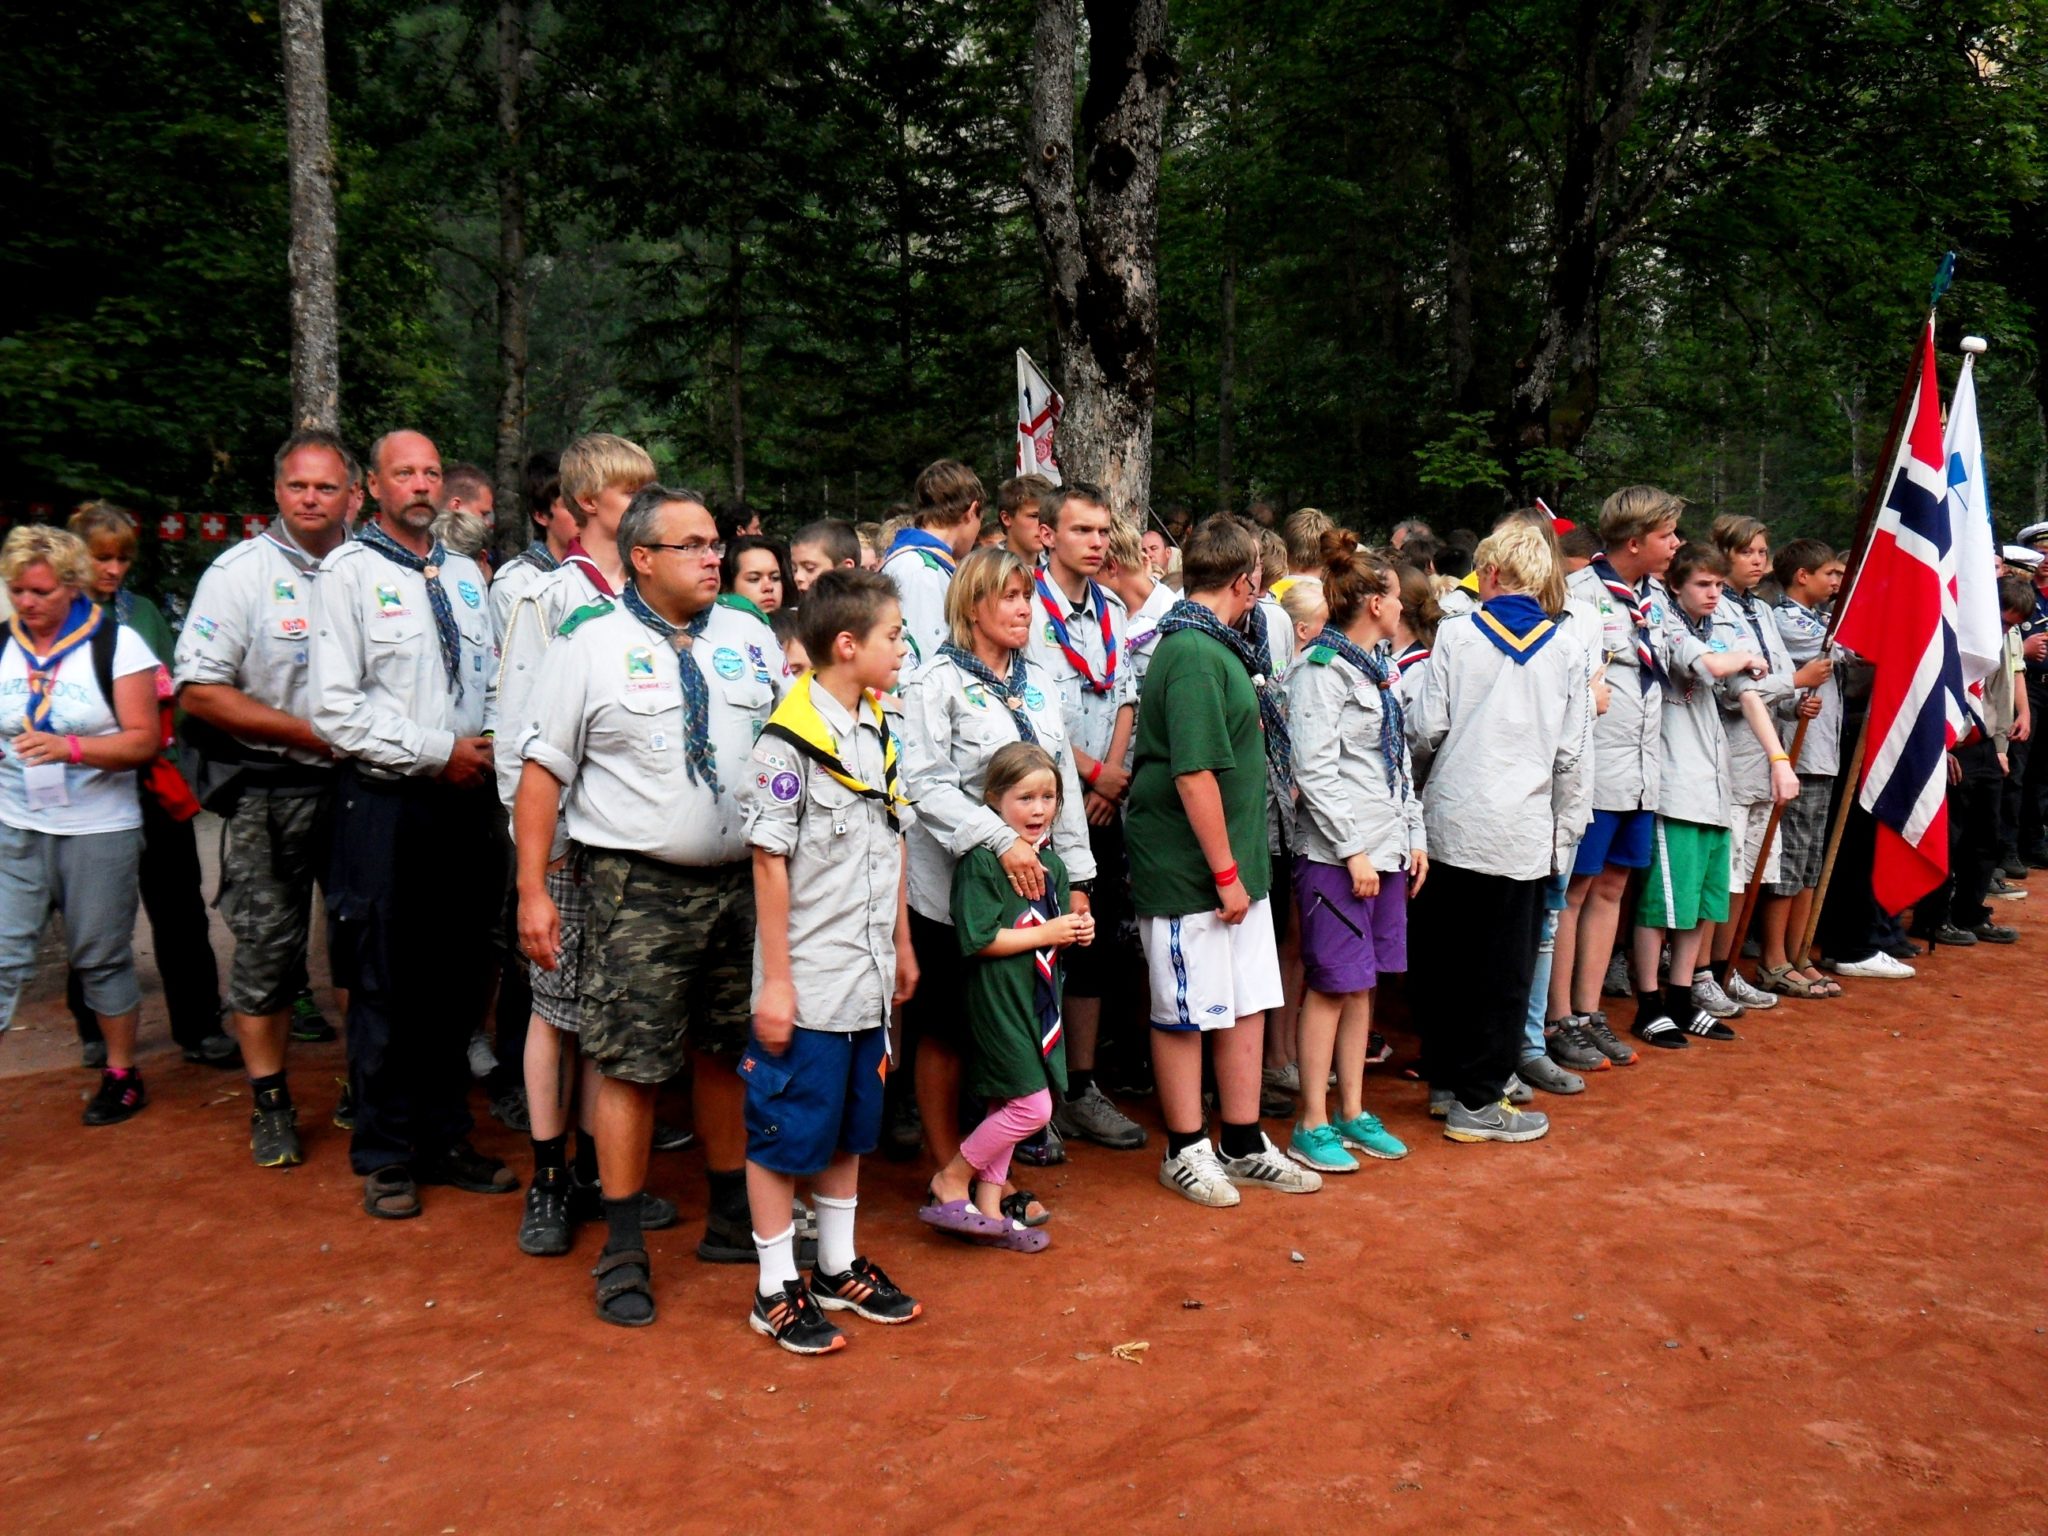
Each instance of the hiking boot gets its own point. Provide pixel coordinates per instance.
(545, 1230)
(1994, 933)
(1605, 1041)
(463, 1167)
(121, 1097)
(1707, 997)
(274, 1136)
(1321, 1148)
(309, 1026)
(1198, 1174)
(1543, 1072)
(1267, 1169)
(1950, 933)
(1740, 991)
(1570, 1046)
(1091, 1117)
(1366, 1134)
(865, 1292)
(1496, 1122)
(793, 1319)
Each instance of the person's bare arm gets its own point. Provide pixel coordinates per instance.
(775, 1008)
(1203, 801)
(535, 805)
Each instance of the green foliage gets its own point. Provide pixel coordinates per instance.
(1464, 458)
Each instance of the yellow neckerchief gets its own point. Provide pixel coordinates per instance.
(42, 665)
(797, 721)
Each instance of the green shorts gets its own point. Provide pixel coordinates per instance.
(1688, 877)
(667, 964)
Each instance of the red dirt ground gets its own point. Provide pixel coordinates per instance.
(1791, 1284)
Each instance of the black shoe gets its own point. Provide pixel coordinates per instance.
(274, 1137)
(1905, 949)
(2037, 856)
(793, 1320)
(672, 1138)
(1994, 933)
(586, 1203)
(308, 1027)
(1949, 933)
(864, 1291)
(463, 1167)
(1707, 1027)
(216, 1050)
(730, 1240)
(545, 1231)
(2013, 867)
(92, 1054)
(119, 1098)
(1660, 1030)
(1377, 1050)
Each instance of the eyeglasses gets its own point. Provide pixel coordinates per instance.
(695, 549)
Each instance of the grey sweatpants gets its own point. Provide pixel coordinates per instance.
(91, 878)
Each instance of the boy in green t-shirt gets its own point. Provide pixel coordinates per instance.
(1200, 872)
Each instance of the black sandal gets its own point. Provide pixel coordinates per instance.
(1017, 1206)
(625, 1273)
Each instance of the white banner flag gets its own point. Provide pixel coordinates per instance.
(1038, 413)
(1973, 551)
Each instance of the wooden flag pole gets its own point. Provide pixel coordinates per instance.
(1827, 867)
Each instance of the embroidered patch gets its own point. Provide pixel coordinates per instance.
(726, 661)
(206, 627)
(784, 787)
(977, 695)
(293, 629)
(640, 661)
(389, 601)
(1033, 699)
(1719, 647)
(470, 595)
(775, 760)
(658, 741)
(1052, 636)
(282, 591)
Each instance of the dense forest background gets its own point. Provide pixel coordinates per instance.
(1414, 259)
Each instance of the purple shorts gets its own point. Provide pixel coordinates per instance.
(1345, 942)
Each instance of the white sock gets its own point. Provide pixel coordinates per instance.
(778, 1259)
(836, 1252)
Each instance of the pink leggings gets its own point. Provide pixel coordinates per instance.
(988, 1146)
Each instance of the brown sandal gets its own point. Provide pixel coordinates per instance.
(1786, 982)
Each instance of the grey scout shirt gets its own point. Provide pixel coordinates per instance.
(1753, 627)
(608, 722)
(1694, 784)
(1627, 753)
(251, 629)
(380, 688)
(1347, 807)
(845, 868)
(1805, 633)
(1090, 716)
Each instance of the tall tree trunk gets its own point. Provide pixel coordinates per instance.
(316, 325)
(513, 299)
(1102, 259)
(736, 357)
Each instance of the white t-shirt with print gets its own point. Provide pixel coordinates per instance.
(100, 800)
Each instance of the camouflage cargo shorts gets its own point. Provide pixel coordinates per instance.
(558, 994)
(272, 850)
(667, 964)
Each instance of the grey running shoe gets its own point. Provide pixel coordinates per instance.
(1708, 997)
(1605, 1041)
(1090, 1116)
(1748, 996)
(1269, 1168)
(1542, 1072)
(1496, 1122)
(1440, 1102)
(1570, 1046)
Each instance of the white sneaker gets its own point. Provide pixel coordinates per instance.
(1750, 997)
(1268, 1169)
(1286, 1079)
(1879, 967)
(1198, 1174)
(1708, 997)
(483, 1061)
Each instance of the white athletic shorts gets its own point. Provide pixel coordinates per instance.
(1748, 839)
(1206, 973)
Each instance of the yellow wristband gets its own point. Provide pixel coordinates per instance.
(1781, 757)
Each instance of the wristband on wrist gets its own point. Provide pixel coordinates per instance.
(1225, 877)
(77, 750)
(1094, 773)
(1781, 757)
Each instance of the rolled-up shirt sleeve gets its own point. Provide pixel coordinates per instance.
(559, 718)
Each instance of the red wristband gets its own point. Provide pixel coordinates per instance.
(1226, 877)
(77, 751)
(1094, 773)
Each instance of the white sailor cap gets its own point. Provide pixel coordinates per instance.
(2019, 554)
(2032, 533)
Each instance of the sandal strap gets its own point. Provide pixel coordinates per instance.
(625, 1273)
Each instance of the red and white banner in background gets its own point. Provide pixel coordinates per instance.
(213, 527)
(253, 524)
(171, 527)
(1038, 413)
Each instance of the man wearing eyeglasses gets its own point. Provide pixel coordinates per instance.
(643, 718)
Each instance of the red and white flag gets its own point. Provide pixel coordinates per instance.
(1038, 413)
(1901, 617)
(213, 527)
(253, 524)
(171, 527)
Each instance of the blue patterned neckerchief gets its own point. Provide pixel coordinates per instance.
(1746, 601)
(1010, 691)
(1516, 624)
(700, 758)
(1648, 669)
(1382, 675)
(538, 555)
(1252, 651)
(917, 538)
(429, 566)
(78, 628)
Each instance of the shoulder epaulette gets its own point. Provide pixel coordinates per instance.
(1320, 655)
(743, 604)
(588, 611)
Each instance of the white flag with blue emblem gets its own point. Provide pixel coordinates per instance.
(1973, 547)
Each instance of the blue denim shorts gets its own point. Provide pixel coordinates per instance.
(820, 1096)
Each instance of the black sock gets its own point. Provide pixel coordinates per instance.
(1242, 1140)
(622, 1223)
(1178, 1142)
(729, 1195)
(1649, 1005)
(270, 1092)
(548, 1158)
(1678, 1002)
(1079, 1081)
(586, 1156)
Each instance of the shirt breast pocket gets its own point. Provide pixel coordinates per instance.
(834, 812)
(393, 632)
(654, 722)
(749, 694)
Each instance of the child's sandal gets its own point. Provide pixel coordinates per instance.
(1017, 1207)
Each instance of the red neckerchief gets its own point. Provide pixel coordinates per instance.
(579, 557)
(1055, 611)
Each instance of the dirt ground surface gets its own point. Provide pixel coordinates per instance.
(1790, 1284)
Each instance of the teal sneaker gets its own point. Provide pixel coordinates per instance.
(1319, 1147)
(1367, 1135)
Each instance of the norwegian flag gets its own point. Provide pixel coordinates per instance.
(213, 527)
(1901, 617)
(253, 524)
(171, 527)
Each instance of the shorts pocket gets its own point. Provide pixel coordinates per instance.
(767, 1079)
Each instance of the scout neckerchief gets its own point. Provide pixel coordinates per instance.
(283, 543)
(538, 555)
(1252, 652)
(1746, 601)
(429, 566)
(700, 759)
(1648, 669)
(797, 721)
(1010, 692)
(1381, 674)
(579, 557)
(930, 545)
(1416, 654)
(76, 631)
(1055, 612)
(1136, 639)
(1516, 624)
(1045, 995)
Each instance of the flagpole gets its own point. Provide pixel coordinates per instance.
(1880, 481)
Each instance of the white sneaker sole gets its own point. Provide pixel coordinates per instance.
(1373, 1152)
(1473, 1138)
(1215, 1197)
(1292, 1187)
(1315, 1167)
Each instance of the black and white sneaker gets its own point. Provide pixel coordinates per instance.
(792, 1319)
(1268, 1169)
(864, 1291)
(1707, 1027)
(1658, 1029)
